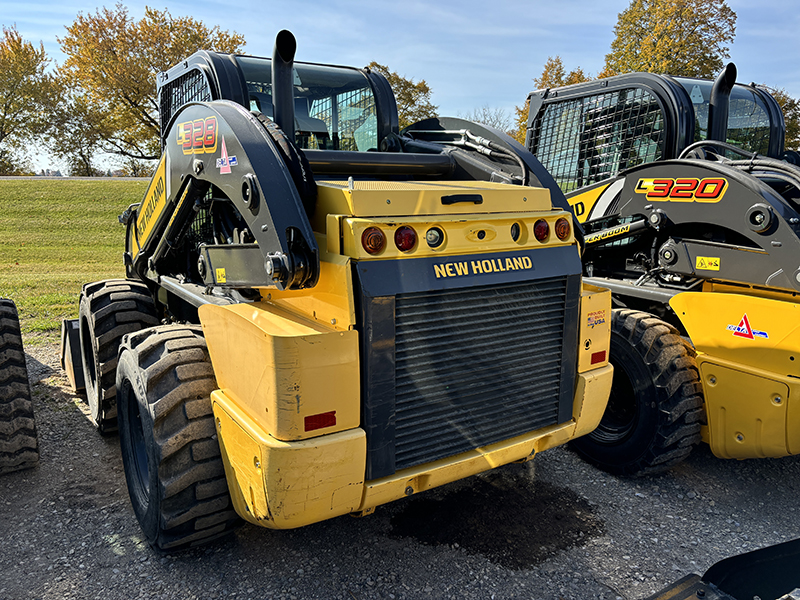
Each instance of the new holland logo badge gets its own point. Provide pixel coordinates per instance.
(225, 162)
(744, 330)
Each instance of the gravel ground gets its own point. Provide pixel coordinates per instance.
(555, 529)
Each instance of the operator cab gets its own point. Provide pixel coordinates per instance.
(586, 133)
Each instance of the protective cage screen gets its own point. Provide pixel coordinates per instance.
(189, 87)
(586, 140)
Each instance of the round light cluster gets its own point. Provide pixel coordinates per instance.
(373, 239)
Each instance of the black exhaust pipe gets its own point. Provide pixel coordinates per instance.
(283, 81)
(718, 103)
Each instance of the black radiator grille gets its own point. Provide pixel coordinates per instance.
(475, 366)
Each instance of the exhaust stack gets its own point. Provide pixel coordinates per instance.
(718, 103)
(283, 81)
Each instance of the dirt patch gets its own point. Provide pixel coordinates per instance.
(503, 516)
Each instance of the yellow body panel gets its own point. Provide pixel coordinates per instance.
(367, 198)
(280, 369)
(746, 411)
(282, 485)
(749, 359)
(595, 327)
(153, 204)
(332, 303)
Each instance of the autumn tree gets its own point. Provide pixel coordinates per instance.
(413, 99)
(112, 61)
(76, 135)
(554, 74)
(678, 37)
(27, 96)
(497, 118)
(791, 116)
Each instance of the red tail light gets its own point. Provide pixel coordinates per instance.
(405, 238)
(541, 230)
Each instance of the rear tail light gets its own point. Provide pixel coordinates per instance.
(405, 238)
(541, 230)
(373, 240)
(598, 357)
(562, 229)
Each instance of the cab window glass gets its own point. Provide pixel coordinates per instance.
(748, 117)
(334, 107)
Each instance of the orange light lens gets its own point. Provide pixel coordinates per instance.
(373, 240)
(562, 229)
(541, 230)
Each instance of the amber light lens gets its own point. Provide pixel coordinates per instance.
(562, 229)
(373, 240)
(405, 238)
(541, 230)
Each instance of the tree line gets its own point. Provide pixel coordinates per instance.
(102, 99)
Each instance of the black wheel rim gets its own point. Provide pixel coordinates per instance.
(141, 470)
(622, 414)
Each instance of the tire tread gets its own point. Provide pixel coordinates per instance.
(19, 445)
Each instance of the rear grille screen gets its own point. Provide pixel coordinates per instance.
(475, 366)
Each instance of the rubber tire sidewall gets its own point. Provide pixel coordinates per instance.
(616, 457)
(92, 384)
(146, 503)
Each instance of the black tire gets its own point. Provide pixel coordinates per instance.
(19, 448)
(656, 406)
(109, 310)
(173, 466)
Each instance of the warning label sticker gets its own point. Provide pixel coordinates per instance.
(707, 263)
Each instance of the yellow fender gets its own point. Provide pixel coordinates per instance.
(749, 359)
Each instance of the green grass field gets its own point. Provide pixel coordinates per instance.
(54, 237)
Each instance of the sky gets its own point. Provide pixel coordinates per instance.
(471, 53)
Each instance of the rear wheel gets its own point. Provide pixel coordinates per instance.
(108, 310)
(652, 421)
(170, 452)
(19, 448)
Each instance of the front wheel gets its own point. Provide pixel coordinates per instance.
(170, 453)
(652, 421)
